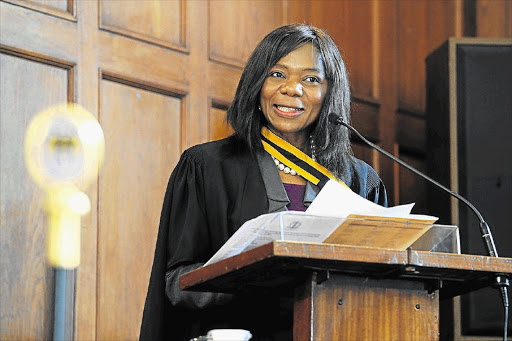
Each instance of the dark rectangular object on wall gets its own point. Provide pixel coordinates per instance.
(469, 143)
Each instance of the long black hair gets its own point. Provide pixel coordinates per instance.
(332, 142)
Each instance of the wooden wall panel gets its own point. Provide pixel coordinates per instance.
(235, 27)
(410, 133)
(422, 26)
(356, 45)
(43, 34)
(26, 281)
(159, 22)
(121, 55)
(219, 127)
(494, 18)
(62, 5)
(365, 118)
(142, 132)
(386, 87)
(223, 81)
(412, 187)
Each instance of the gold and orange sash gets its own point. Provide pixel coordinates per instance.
(294, 158)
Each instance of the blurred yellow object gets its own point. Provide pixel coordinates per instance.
(65, 205)
(64, 147)
(64, 143)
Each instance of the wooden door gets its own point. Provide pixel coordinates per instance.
(158, 75)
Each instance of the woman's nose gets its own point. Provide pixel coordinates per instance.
(292, 88)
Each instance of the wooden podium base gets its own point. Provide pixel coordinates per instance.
(345, 307)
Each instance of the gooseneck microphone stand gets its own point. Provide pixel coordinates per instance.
(501, 281)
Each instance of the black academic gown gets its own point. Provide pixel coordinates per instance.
(213, 190)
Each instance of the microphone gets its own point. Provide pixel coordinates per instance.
(502, 282)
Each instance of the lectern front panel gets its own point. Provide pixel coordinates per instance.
(345, 307)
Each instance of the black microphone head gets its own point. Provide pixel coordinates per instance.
(336, 119)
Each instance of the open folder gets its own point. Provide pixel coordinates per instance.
(354, 230)
(336, 216)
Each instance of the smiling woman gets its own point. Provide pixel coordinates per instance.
(282, 152)
(326, 66)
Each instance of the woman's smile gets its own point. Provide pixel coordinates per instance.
(287, 111)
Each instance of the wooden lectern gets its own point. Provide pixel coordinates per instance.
(353, 293)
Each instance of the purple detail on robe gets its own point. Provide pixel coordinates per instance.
(296, 196)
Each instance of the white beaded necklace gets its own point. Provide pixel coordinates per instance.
(288, 170)
(283, 168)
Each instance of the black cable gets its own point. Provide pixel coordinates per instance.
(506, 324)
(504, 297)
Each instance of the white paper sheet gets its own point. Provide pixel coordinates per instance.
(297, 226)
(337, 200)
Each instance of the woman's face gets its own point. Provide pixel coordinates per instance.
(293, 93)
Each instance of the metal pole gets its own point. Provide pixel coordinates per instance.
(64, 304)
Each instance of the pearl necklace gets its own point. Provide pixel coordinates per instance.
(283, 168)
(288, 170)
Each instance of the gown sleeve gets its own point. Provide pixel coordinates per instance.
(183, 244)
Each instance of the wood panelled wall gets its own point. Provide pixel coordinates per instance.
(159, 76)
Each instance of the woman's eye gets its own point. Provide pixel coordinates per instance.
(276, 74)
(312, 79)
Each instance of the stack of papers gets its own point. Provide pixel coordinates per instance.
(337, 216)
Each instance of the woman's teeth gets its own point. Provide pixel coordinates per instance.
(287, 109)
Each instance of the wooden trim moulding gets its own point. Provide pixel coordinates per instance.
(69, 66)
(69, 15)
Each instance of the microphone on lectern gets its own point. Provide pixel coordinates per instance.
(502, 282)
